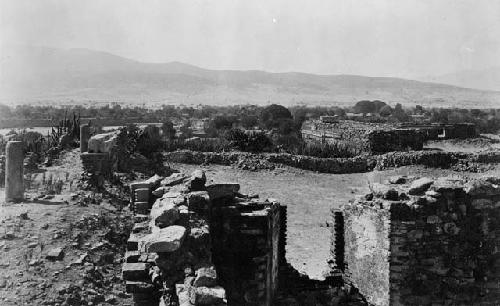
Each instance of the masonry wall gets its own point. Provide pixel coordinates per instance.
(367, 251)
(426, 242)
(198, 244)
(362, 136)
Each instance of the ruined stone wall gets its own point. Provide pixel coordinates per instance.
(363, 136)
(444, 131)
(425, 242)
(197, 244)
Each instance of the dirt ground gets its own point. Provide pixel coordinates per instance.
(309, 197)
(486, 142)
(89, 228)
(92, 228)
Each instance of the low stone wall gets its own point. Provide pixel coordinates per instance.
(425, 242)
(363, 163)
(326, 165)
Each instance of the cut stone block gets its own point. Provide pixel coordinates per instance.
(167, 239)
(102, 143)
(420, 186)
(217, 191)
(198, 201)
(139, 287)
(197, 180)
(397, 179)
(132, 256)
(135, 271)
(55, 254)
(174, 179)
(205, 277)
(142, 195)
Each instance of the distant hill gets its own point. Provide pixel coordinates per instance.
(43, 74)
(487, 79)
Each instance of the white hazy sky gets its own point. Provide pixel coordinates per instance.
(404, 38)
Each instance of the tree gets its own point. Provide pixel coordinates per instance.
(168, 130)
(272, 115)
(366, 106)
(386, 111)
(399, 113)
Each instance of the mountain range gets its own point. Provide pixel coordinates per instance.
(36, 74)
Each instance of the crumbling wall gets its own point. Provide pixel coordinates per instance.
(445, 131)
(198, 244)
(363, 136)
(425, 242)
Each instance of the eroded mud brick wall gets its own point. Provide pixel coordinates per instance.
(425, 242)
(198, 244)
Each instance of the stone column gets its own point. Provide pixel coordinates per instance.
(84, 137)
(14, 181)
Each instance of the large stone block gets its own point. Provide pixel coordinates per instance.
(173, 179)
(139, 287)
(164, 212)
(165, 240)
(142, 195)
(14, 170)
(135, 271)
(420, 185)
(198, 201)
(197, 180)
(102, 143)
(207, 296)
(217, 191)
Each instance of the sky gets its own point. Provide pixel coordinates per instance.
(399, 38)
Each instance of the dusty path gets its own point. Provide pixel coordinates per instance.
(309, 197)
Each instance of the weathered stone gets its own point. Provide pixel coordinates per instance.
(158, 192)
(171, 194)
(227, 190)
(14, 171)
(397, 179)
(102, 143)
(131, 256)
(197, 180)
(135, 271)
(207, 296)
(55, 254)
(167, 239)
(483, 187)
(139, 287)
(420, 185)
(154, 180)
(384, 191)
(182, 295)
(84, 137)
(198, 201)
(164, 213)
(205, 277)
(174, 179)
(444, 184)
